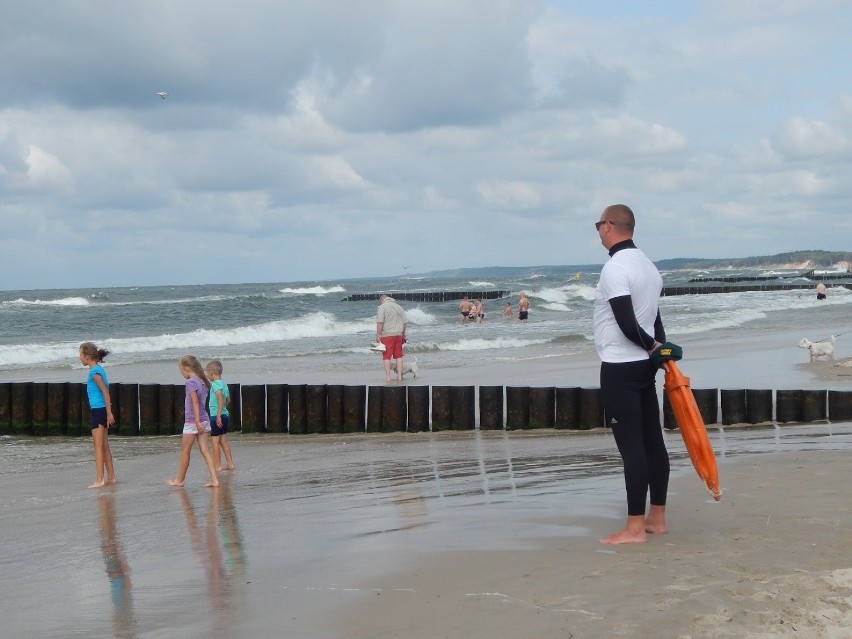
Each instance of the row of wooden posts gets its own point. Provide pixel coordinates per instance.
(44, 408)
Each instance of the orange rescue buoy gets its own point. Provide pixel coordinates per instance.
(691, 426)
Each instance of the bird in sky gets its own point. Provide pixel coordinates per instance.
(162, 94)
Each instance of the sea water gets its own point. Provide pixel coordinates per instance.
(40, 330)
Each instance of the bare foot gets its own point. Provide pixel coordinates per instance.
(231, 467)
(212, 484)
(174, 482)
(655, 522)
(98, 484)
(218, 469)
(625, 537)
(112, 481)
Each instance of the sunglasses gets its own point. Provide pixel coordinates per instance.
(598, 225)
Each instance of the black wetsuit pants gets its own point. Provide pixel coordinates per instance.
(633, 412)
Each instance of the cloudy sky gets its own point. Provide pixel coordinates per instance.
(336, 138)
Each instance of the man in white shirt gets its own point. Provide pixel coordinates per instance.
(628, 329)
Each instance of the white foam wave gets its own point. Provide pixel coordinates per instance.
(63, 301)
(481, 344)
(317, 324)
(556, 307)
(563, 294)
(313, 290)
(420, 317)
(481, 284)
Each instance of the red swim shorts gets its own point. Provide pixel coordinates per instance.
(393, 346)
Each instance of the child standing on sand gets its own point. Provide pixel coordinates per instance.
(220, 399)
(196, 421)
(100, 417)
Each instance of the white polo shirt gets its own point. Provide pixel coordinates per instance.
(628, 272)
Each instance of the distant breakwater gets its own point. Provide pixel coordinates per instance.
(45, 408)
(454, 296)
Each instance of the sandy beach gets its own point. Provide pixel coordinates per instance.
(476, 534)
(430, 535)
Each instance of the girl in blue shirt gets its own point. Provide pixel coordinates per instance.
(100, 416)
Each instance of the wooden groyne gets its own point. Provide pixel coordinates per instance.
(42, 408)
(429, 296)
(703, 290)
(811, 275)
(454, 296)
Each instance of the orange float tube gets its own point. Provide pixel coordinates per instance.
(691, 426)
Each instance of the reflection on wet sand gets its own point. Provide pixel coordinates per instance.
(117, 569)
(221, 560)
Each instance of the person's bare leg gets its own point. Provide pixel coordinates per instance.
(217, 455)
(632, 533)
(97, 444)
(399, 369)
(208, 457)
(226, 448)
(386, 364)
(655, 522)
(110, 470)
(183, 464)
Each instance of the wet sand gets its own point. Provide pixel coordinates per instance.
(425, 535)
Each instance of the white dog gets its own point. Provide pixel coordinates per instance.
(818, 349)
(409, 365)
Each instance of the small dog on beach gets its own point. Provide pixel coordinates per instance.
(818, 349)
(408, 366)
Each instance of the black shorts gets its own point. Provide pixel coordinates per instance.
(215, 431)
(98, 417)
(522, 315)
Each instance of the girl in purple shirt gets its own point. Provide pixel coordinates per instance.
(196, 421)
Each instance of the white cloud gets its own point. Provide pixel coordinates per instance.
(508, 121)
(44, 170)
(517, 196)
(800, 138)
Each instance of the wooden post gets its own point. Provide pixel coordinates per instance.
(788, 406)
(129, 401)
(542, 407)
(22, 408)
(354, 409)
(394, 409)
(276, 408)
(235, 410)
(839, 406)
(5, 408)
(490, 408)
(591, 409)
(733, 406)
(76, 414)
(253, 408)
(374, 409)
(442, 415)
(814, 406)
(567, 407)
(517, 407)
(297, 396)
(418, 409)
(334, 399)
(149, 409)
(166, 410)
(758, 405)
(317, 408)
(463, 407)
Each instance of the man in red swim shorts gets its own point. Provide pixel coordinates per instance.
(391, 323)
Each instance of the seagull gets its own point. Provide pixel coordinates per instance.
(162, 94)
